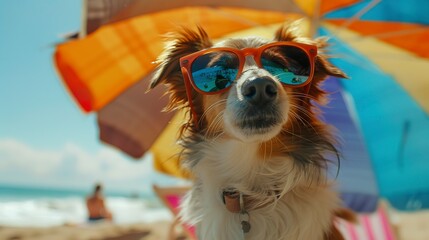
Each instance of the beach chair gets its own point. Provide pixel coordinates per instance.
(372, 226)
(171, 197)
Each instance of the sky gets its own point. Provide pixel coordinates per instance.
(45, 139)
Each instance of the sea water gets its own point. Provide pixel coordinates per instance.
(43, 207)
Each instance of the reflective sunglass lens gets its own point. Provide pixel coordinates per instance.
(291, 65)
(215, 71)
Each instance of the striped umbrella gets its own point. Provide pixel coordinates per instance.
(381, 113)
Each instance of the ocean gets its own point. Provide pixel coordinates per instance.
(45, 207)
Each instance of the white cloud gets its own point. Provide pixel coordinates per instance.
(16, 154)
(73, 166)
(106, 162)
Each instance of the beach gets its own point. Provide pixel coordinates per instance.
(49, 214)
(407, 226)
(52, 214)
(106, 231)
(411, 226)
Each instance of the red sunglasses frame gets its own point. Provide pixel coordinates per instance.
(187, 61)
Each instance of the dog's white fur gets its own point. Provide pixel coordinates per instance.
(302, 212)
(227, 156)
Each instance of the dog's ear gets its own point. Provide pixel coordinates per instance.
(291, 32)
(179, 44)
(323, 68)
(322, 65)
(288, 32)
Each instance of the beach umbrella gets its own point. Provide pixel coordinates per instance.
(106, 67)
(383, 49)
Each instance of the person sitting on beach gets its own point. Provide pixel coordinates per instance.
(96, 207)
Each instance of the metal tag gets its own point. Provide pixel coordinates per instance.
(245, 226)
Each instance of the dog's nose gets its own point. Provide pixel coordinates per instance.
(259, 91)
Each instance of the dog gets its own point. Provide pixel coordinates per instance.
(253, 139)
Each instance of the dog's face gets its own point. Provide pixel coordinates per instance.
(255, 106)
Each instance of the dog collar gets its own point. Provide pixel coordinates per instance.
(236, 202)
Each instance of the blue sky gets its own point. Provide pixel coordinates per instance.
(45, 139)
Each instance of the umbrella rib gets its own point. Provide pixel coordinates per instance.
(84, 27)
(358, 15)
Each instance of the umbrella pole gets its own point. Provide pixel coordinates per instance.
(315, 21)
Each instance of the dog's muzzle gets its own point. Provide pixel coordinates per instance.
(259, 107)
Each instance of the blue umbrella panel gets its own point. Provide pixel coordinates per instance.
(395, 130)
(356, 179)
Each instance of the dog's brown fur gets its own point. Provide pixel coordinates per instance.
(307, 137)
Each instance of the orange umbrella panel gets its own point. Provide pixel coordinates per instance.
(99, 67)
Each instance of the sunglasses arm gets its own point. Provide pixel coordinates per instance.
(188, 87)
(307, 88)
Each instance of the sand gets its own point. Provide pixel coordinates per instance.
(105, 231)
(408, 226)
(411, 226)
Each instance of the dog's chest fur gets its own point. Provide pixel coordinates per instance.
(304, 211)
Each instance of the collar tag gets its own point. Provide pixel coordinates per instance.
(245, 221)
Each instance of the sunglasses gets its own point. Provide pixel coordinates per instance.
(214, 70)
